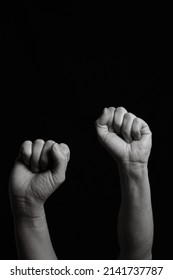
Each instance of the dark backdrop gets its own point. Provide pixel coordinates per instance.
(60, 65)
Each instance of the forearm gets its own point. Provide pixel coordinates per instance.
(32, 237)
(135, 223)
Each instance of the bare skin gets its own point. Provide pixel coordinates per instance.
(38, 171)
(128, 139)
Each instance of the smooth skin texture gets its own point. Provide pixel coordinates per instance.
(38, 171)
(129, 140)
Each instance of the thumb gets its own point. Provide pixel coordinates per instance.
(104, 123)
(60, 157)
(103, 119)
(101, 123)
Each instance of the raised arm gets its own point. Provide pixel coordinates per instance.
(38, 171)
(128, 140)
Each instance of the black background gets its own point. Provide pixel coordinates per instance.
(60, 66)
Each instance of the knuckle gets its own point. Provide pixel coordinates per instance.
(121, 109)
(24, 147)
(25, 144)
(128, 116)
(111, 108)
(105, 110)
(39, 141)
(137, 121)
(50, 142)
(64, 149)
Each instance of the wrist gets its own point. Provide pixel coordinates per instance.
(134, 182)
(26, 209)
(32, 223)
(134, 169)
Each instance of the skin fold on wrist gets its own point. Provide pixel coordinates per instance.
(25, 209)
(130, 166)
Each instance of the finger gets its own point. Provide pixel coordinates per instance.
(65, 150)
(111, 119)
(136, 129)
(60, 156)
(37, 147)
(127, 127)
(145, 129)
(104, 118)
(140, 128)
(45, 155)
(25, 152)
(118, 119)
(104, 122)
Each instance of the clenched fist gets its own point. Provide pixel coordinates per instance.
(38, 171)
(125, 136)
